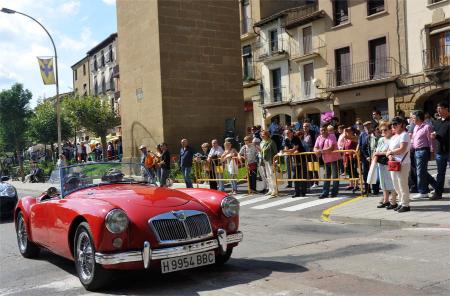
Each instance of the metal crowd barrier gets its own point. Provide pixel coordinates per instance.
(215, 170)
(306, 167)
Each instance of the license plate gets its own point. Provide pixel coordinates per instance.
(186, 262)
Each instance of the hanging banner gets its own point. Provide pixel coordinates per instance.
(47, 70)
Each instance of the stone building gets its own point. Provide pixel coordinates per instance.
(180, 72)
(81, 77)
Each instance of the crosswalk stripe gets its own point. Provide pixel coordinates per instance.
(309, 204)
(279, 202)
(254, 200)
(241, 196)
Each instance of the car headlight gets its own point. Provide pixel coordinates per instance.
(230, 206)
(7, 190)
(116, 221)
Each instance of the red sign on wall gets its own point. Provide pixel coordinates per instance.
(248, 106)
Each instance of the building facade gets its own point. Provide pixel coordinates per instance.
(428, 80)
(81, 77)
(180, 72)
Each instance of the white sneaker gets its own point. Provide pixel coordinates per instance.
(314, 186)
(420, 196)
(433, 191)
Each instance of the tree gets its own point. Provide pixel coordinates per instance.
(14, 112)
(43, 127)
(94, 114)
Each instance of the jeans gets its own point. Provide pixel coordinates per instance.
(300, 173)
(233, 182)
(423, 177)
(331, 171)
(412, 180)
(164, 176)
(441, 162)
(186, 171)
(288, 161)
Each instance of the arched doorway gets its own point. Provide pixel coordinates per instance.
(428, 101)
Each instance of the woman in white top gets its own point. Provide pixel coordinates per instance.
(399, 147)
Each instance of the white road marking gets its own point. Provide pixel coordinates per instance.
(279, 202)
(255, 200)
(310, 204)
(241, 196)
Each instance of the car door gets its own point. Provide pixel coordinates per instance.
(60, 218)
(39, 222)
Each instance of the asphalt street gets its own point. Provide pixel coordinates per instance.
(284, 252)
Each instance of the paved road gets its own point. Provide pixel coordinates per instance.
(286, 251)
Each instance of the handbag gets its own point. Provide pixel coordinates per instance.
(382, 160)
(252, 166)
(396, 166)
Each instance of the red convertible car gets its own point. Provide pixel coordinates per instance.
(106, 216)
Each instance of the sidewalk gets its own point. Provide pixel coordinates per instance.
(363, 210)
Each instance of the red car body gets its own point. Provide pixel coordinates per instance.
(52, 222)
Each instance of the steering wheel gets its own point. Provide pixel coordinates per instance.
(71, 183)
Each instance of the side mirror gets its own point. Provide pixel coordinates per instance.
(5, 178)
(52, 191)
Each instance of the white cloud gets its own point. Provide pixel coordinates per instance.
(79, 44)
(71, 7)
(109, 2)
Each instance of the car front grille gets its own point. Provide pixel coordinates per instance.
(181, 226)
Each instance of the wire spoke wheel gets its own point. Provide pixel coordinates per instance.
(22, 236)
(85, 256)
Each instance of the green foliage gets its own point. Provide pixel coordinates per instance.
(14, 111)
(43, 126)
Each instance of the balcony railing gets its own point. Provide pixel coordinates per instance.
(246, 26)
(308, 91)
(363, 72)
(301, 12)
(272, 48)
(436, 57)
(274, 95)
(309, 45)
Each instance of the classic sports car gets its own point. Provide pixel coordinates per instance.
(106, 216)
(8, 198)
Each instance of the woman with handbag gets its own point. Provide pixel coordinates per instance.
(249, 153)
(385, 177)
(230, 158)
(399, 163)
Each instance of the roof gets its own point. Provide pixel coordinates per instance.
(79, 62)
(102, 44)
(274, 17)
(295, 15)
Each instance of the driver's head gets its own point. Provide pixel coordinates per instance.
(71, 183)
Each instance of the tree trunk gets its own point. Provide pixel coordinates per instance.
(53, 152)
(104, 147)
(19, 159)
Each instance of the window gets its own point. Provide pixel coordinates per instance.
(273, 41)
(247, 62)
(75, 72)
(308, 76)
(340, 12)
(95, 63)
(438, 54)
(307, 40)
(84, 69)
(343, 67)
(102, 58)
(378, 61)
(110, 53)
(246, 20)
(374, 6)
(435, 1)
(276, 84)
(103, 85)
(95, 86)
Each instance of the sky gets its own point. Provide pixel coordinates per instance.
(75, 25)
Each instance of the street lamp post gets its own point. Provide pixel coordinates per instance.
(58, 105)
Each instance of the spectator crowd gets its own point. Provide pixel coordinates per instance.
(394, 157)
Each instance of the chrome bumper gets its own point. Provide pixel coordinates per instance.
(147, 254)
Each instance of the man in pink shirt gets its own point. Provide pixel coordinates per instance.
(422, 145)
(325, 145)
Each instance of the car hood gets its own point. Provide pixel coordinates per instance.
(129, 195)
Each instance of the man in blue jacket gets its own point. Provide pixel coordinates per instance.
(364, 149)
(185, 162)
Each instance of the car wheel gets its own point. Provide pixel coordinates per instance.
(27, 248)
(92, 275)
(222, 259)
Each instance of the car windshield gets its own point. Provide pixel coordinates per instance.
(81, 176)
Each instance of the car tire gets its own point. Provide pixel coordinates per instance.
(92, 275)
(222, 259)
(27, 248)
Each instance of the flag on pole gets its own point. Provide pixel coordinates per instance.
(47, 70)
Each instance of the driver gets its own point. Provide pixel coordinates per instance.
(71, 183)
(113, 175)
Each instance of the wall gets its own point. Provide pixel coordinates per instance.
(140, 72)
(82, 79)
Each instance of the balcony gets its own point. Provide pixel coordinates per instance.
(274, 96)
(247, 29)
(270, 51)
(115, 73)
(369, 72)
(308, 90)
(117, 95)
(309, 48)
(436, 62)
(304, 14)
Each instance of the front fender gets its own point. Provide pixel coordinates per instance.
(24, 205)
